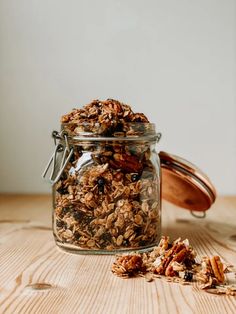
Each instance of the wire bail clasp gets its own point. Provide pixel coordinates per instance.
(59, 159)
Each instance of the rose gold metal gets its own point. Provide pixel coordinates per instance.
(184, 184)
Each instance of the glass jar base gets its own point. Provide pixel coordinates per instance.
(69, 248)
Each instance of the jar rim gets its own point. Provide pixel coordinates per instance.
(100, 131)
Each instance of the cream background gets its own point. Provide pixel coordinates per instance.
(173, 60)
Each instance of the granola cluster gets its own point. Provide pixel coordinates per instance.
(211, 272)
(167, 259)
(109, 117)
(108, 195)
(177, 262)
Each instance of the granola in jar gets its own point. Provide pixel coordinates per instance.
(107, 199)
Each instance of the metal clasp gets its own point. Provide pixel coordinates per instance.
(59, 158)
(202, 215)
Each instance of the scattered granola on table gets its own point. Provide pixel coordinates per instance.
(176, 261)
(108, 197)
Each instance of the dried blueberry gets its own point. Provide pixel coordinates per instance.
(72, 158)
(135, 177)
(101, 189)
(64, 210)
(138, 230)
(77, 235)
(78, 215)
(60, 223)
(62, 190)
(126, 243)
(189, 263)
(188, 276)
(143, 243)
(101, 183)
(106, 236)
(63, 176)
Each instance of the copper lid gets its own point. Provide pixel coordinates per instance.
(184, 185)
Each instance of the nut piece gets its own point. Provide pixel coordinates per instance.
(211, 272)
(217, 268)
(179, 258)
(128, 265)
(168, 257)
(125, 162)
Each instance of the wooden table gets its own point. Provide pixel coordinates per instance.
(85, 284)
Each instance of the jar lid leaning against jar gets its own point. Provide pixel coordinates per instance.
(185, 185)
(107, 182)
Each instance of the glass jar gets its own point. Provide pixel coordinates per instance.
(106, 189)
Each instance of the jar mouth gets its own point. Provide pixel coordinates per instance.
(111, 131)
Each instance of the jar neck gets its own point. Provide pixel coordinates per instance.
(99, 132)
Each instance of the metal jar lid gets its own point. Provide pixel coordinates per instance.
(184, 185)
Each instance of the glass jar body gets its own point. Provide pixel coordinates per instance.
(107, 199)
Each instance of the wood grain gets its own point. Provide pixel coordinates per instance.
(36, 277)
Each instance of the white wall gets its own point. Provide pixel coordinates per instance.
(173, 60)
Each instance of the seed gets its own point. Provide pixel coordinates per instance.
(154, 205)
(120, 203)
(132, 237)
(119, 240)
(92, 204)
(110, 220)
(128, 233)
(70, 189)
(88, 196)
(111, 206)
(91, 243)
(99, 232)
(145, 206)
(152, 214)
(114, 232)
(138, 219)
(68, 234)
